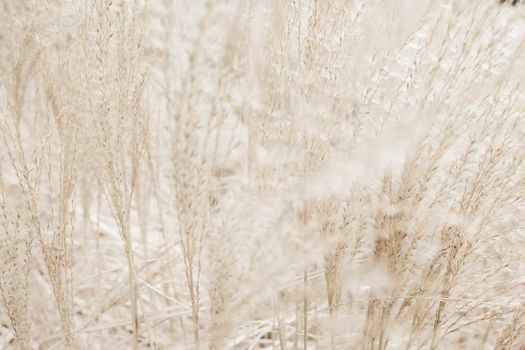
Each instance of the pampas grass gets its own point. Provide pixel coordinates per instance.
(261, 174)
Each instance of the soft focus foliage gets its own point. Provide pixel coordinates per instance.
(274, 174)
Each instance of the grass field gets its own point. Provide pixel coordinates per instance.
(273, 174)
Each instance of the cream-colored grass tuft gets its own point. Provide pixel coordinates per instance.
(276, 174)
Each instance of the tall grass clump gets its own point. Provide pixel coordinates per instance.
(262, 174)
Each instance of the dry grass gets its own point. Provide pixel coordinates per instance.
(237, 174)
